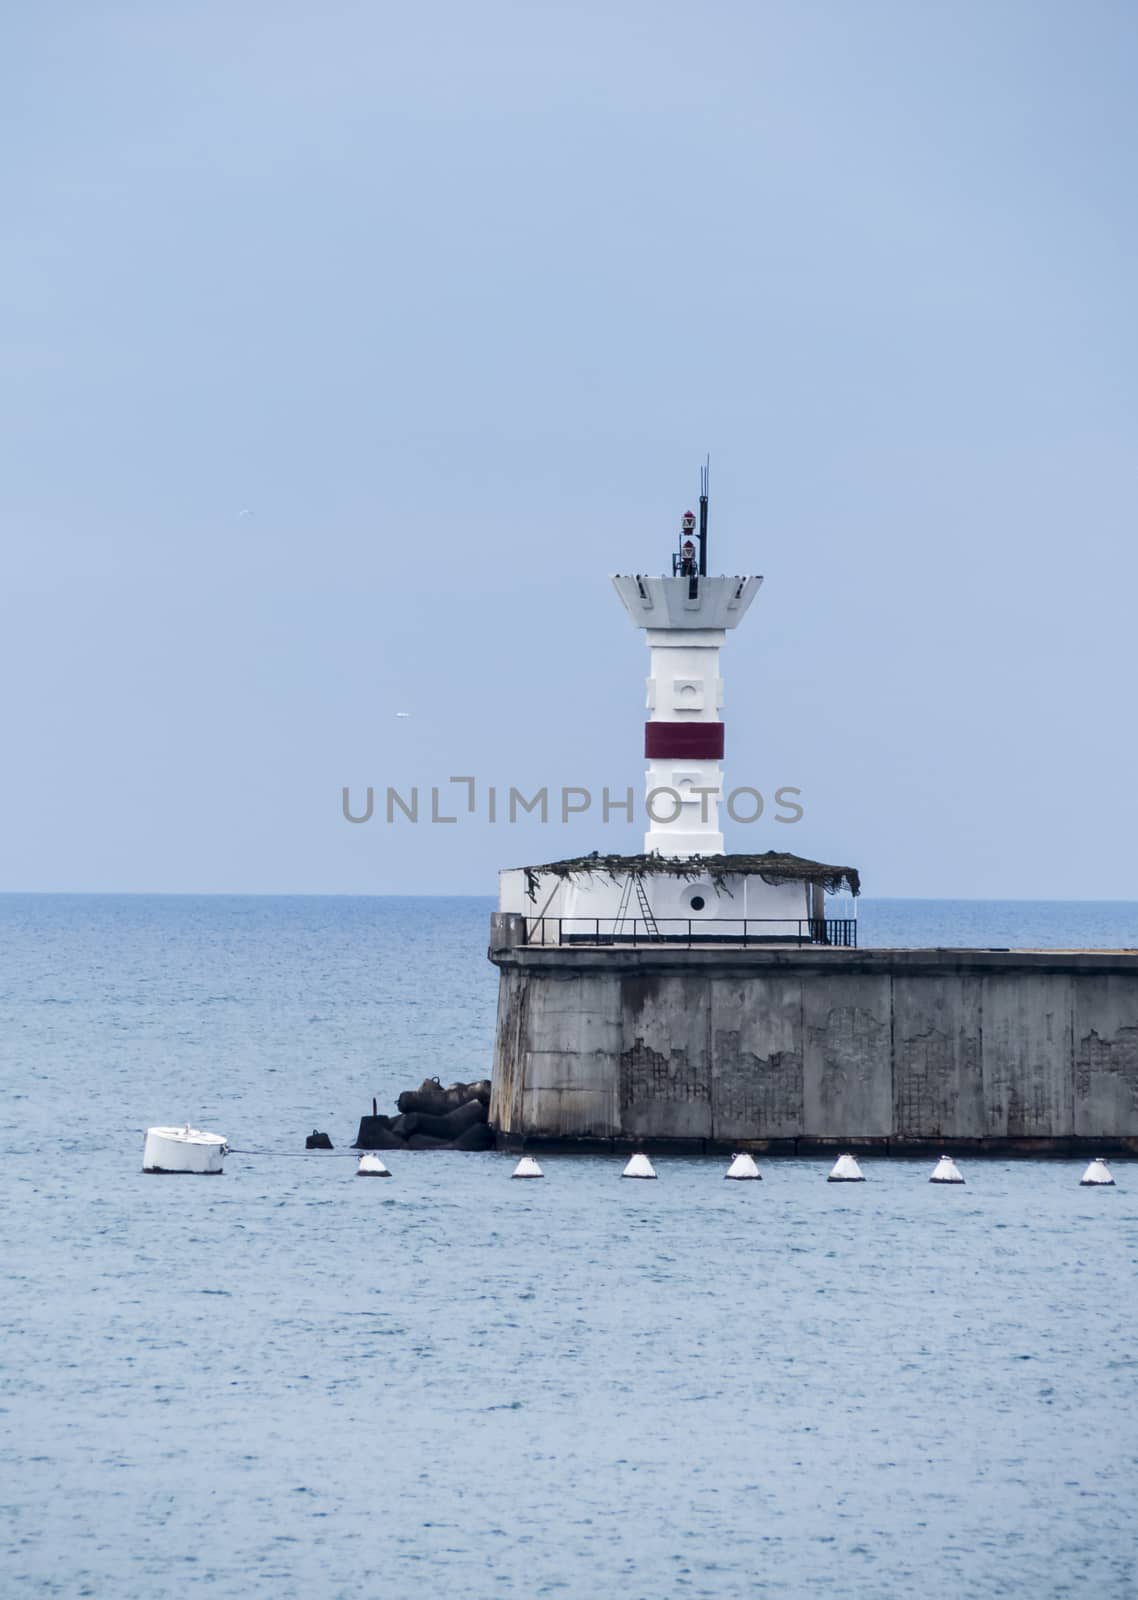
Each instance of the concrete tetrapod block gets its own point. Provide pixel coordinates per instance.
(1097, 1176)
(639, 1167)
(846, 1170)
(743, 1166)
(946, 1171)
(371, 1167)
(527, 1167)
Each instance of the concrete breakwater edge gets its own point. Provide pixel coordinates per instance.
(788, 1049)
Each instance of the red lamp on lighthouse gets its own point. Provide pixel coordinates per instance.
(684, 565)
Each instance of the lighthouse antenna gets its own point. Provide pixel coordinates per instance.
(704, 485)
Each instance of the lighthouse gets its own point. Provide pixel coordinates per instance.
(686, 618)
(683, 883)
(654, 990)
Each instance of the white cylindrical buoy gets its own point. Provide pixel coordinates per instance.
(1097, 1176)
(946, 1171)
(846, 1170)
(371, 1167)
(743, 1166)
(639, 1167)
(183, 1150)
(527, 1167)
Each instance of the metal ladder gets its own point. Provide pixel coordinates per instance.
(645, 908)
(635, 880)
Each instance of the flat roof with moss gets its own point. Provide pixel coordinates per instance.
(775, 866)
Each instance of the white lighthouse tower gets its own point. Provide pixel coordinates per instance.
(684, 885)
(686, 618)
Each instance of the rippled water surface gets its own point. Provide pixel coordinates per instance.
(288, 1381)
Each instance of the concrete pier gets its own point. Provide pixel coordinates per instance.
(794, 1048)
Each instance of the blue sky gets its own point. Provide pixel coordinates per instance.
(347, 350)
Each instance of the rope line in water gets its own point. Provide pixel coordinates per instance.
(343, 1155)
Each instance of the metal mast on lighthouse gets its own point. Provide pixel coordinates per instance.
(686, 618)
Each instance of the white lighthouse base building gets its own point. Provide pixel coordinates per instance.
(772, 898)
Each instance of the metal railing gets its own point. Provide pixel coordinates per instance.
(837, 931)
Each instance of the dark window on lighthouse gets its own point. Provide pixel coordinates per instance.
(697, 902)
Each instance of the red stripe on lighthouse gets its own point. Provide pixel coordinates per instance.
(684, 741)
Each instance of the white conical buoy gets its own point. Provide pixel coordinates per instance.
(527, 1167)
(1097, 1176)
(371, 1167)
(639, 1167)
(743, 1166)
(846, 1170)
(946, 1171)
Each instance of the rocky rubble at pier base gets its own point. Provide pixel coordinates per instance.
(432, 1117)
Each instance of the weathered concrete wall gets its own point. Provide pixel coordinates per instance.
(756, 1042)
(1105, 1036)
(773, 1047)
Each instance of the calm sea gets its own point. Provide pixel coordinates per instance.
(286, 1382)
